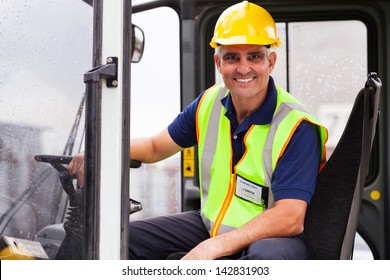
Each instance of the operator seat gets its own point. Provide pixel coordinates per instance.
(332, 217)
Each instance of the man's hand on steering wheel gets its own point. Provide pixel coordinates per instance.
(76, 168)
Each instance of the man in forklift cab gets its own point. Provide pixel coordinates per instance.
(259, 156)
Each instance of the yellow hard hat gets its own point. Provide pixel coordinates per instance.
(245, 23)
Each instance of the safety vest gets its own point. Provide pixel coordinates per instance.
(224, 205)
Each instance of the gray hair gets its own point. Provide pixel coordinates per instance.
(218, 51)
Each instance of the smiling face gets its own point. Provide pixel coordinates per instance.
(245, 70)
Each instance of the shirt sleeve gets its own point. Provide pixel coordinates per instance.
(183, 128)
(296, 173)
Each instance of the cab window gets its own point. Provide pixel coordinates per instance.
(155, 99)
(326, 62)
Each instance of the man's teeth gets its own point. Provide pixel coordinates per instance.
(244, 80)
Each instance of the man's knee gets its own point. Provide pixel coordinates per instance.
(290, 248)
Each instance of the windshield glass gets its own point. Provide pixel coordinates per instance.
(46, 47)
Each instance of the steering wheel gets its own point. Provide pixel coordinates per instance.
(75, 194)
(74, 224)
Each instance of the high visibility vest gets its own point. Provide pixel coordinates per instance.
(222, 209)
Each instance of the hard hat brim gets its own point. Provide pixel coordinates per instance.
(244, 40)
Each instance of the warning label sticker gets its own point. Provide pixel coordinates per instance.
(189, 162)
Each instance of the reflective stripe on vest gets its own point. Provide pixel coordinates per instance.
(222, 210)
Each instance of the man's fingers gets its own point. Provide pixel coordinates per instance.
(76, 169)
(80, 175)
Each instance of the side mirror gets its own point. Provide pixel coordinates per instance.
(138, 43)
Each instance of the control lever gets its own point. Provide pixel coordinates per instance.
(135, 206)
(135, 163)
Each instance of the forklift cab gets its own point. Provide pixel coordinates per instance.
(328, 48)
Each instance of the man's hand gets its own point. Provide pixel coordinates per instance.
(210, 249)
(76, 168)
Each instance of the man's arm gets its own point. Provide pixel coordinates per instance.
(285, 219)
(146, 150)
(153, 149)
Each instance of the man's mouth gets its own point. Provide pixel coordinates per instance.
(247, 80)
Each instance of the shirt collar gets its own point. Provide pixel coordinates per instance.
(263, 115)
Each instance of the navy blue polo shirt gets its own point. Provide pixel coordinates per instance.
(296, 172)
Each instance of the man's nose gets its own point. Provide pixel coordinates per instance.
(244, 66)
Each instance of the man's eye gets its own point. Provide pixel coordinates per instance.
(232, 57)
(255, 56)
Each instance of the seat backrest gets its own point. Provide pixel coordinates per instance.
(332, 216)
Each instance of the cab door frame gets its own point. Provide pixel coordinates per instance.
(107, 142)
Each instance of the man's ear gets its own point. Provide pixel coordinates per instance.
(272, 60)
(217, 61)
